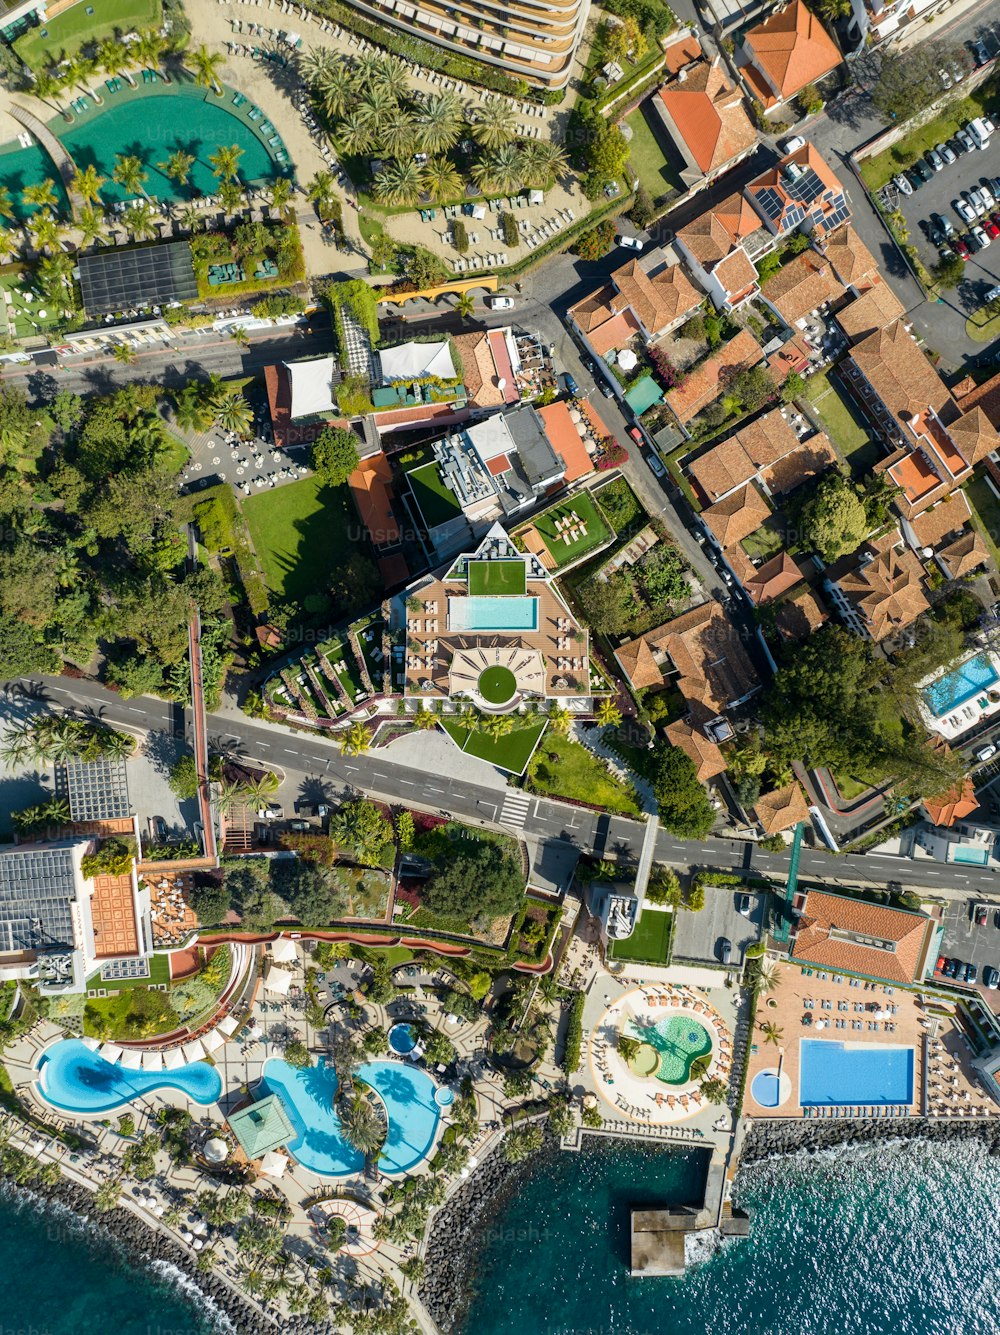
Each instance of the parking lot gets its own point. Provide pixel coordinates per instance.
(982, 270)
(970, 943)
(697, 935)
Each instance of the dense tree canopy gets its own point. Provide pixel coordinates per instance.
(835, 520)
(335, 455)
(683, 803)
(479, 882)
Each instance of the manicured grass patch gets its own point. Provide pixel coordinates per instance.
(983, 326)
(510, 753)
(649, 943)
(649, 161)
(497, 684)
(766, 541)
(437, 503)
(564, 768)
(841, 423)
(985, 513)
(301, 533)
(83, 23)
(159, 972)
(393, 955)
(568, 544)
(877, 170)
(496, 578)
(336, 652)
(850, 789)
(136, 1012)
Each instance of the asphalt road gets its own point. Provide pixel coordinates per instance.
(323, 772)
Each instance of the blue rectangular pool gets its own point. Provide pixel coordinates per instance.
(853, 1073)
(955, 688)
(481, 612)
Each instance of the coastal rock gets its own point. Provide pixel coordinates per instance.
(770, 1139)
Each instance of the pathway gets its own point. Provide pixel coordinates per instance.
(55, 150)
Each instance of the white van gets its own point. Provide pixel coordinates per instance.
(986, 752)
(980, 130)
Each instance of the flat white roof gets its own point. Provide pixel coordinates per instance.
(410, 361)
(312, 387)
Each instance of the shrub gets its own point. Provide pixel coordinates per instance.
(595, 243)
(510, 232)
(460, 236)
(574, 1035)
(693, 328)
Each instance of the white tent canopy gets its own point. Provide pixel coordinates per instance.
(278, 981)
(131, 1060)
(212, 1041)
(152, 1061)
(283, 950)
(92, 1043)
(273, 1165)
(193, 1051)
(110, 1052)
(409, 361)
(228, 1024)
(312, 386)
(535, 197)
(173, 1058)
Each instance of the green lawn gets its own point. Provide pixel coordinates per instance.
(649, 943)
(436, 501)
(621, 508)
(497, 684)
(30, 318)
(159, 972)
(587, 516)
(84, 23)
(877, 170)
(496, 578)
(564, 768)
(649, 162)
(983, 326)
(301, 534)
(766, 541)
(510, 753)
(985, 513)
(840, 420)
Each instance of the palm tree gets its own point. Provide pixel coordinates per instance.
(424, 720)
(336, 88)
(233, 413)
(240, 336)
(130, 174)
(41, 195)
(90, 225)
(499, 172)
(141, 221)
(6, 203)
(496, 726)
(397, 133)
(772, 1032)
(47, 87)
(225, 161)
(114, 744)
(542, 162)
(281, 193)
(361, 1127)
(124, 353)
(78, 71)
(320, 192)
(54, 274)
(45, 230)
(398, 184)
(232, 796)
(559, 719)
(189, 218)
(10, 243)
(608, 714)
(87, 183)
(231, 197)
(439, 123)
(114, 59)
(494, 124)
(356, 740)
(149, 51)
(206, 65)
(767, 977)
(628, 1048)
(441, 180)
(354, 134)
(178, 166)
(375, 105)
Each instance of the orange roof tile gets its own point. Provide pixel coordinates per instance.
(852, 261)
(707, 113)
(974, 435)
(802, 285)
(658, 301)
(799, 615)
(965, 554)
(985, 396)
(703, 386)
(713, 234)
(840, 933)
(941, 520)
(792, 48)
(708, 758)
(737, 273)
(681, 53)
(713, 667)
(738, 515)
(614, 333)
(947, 808)
(806, 461)
(112, 912)
(721, 468)
(371, 487)
(565, 440)
(781, 810)
(898, 371)
(886, 591)
(772, 579)
(872, 310)
(783, 181)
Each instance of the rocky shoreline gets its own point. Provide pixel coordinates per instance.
(146, 1246)
(770, 1139)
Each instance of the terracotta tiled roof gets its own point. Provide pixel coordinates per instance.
(965, 554)
(974, 435)
(708, 758)
(564, 438)
(481, 375)
(801, 285)
(772, 579)
(737, 515)
(657, 301)
(371, 486)
(703, 386)
(887, 591)
(800, 615)
(806, 461)
(781, 810)
(681, 53)
(714, 670)
(737, 274)
(793, 48)
(985, 396)
(834, 930)
(790, 194)
(852, 261)
(873, 310)
(896, 368)
(723, 467)
(947, 808)
(713, 234)
(943, 519)
(593, 310)
(638, 663)
(707, 112)
(767, 438)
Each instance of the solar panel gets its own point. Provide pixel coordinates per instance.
(113, 280)
(795, 216)
(771, 202)
(807, 187)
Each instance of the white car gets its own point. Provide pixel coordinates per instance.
(965, 211)
(980, 236)
(792, 145)
(977, 201)
(947, 154)
(501, 303)
(992, 294)
(630, 242)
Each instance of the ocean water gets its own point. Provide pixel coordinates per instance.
(899, 1239)
(61, 1277)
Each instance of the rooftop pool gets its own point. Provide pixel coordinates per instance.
(307, 1094)
(75, 1079)
(959, 686)
(832, 1073)
(483, 612)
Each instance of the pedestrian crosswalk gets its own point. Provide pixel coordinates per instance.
(515, 809)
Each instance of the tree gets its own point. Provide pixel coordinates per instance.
(233, 412)
(210, 903)
(794, 386)
(500, 171)
(178, 166)
(560, 1119)
(460, 236)
(683, 803)
(714, 1091)
(321, 192)
(559, 719)
(361, 1126)
(206, 65)
(405, 829)
(439, 123)
(773, 1033)
(664, 887)
(608, 714)
(355, 740)
(41, 195)
(465, 305)
(375, 1042)
(495, 124)
(297, 1054)
(834, 520)
(130, 174)
(439, 1049)
(225, 161)
(399, 184)
(362, 829)
(624, 39)
(87, 183)
(643, 210)
(949, 272)
(907, 81)
(521, 1143)
(183, 778)
(479, 882)
(628, 1048)
(597, 242)
(123, 353)
(334, 455)
(754, 387)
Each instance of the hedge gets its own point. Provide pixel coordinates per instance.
(574, 1035)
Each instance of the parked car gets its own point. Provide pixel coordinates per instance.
(637, 435)
(630, 242)
(957, 147)
(980, 914)
(922, 170)
(942, 962)
(655, 467)
(951, 968)
(986, 191)
(965, 139)
(981, 128)
(946, 154)
(945, 224)
(978, 200)
(902, 185)
(964, 210)
(976, 240)
(792, 145)
(995, 185)
(991, 229)
(980, 51)
(957, 71)
(992, 293)
(934, 160)
(986, 752)
(501, 303)
(960, 248)
(571, 386)
(725, 950)
(971, 973)
(743, 904)
(991, 976)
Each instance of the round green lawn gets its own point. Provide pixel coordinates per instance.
(497, 685)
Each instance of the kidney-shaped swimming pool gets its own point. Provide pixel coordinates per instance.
(76, 1079)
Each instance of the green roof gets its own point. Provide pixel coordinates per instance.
(643, 394)
(261, 1127)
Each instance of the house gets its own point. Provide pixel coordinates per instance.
(800, 193)
(702, 114)
(801, 286)
(562, 434)
(647, 296)
(766, 451)
(949, 807)
(705, 754)
(721, 246)
(788, 51)
(869, 312)
(736, 516)
(880, 592)
(493, 607)
(799, 615)
(881, 20)
(772, 579)
(781, 810)
(961, 557)
(938, 525)
(708, 381)
(855, 936)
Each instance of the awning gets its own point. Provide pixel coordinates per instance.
(110, 1052)
(193, 1051)
(273, 1164)
(173, 1058)
(284, 950)
(410, 361)
(228, 1024)
(92, 1043)
(152, 1061)
(312, 387)
(131, 1060)
(212, 1041)
(535, 197)
(278, 981)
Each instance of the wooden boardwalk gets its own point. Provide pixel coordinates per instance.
(56, 151)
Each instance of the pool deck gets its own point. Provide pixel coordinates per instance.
(958, 719)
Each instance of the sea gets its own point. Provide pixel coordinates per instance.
(59, 1275)
(894, 1239)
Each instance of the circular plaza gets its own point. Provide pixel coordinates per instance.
(653, 1048)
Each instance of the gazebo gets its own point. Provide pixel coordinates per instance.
(261, 1127)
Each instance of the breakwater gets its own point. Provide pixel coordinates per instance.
(768, 1139)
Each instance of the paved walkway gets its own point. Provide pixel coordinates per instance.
(55, 150)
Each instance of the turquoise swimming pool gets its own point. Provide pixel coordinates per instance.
(482, 612)
(308, 1098)
(832, 1073)
(76, 1079)
(959, 686)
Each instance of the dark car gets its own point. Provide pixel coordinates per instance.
(922, 170)
(973, 242)
(725, 950)
(959, 146)
(571, 386)
(951, 968)
(991, 976)
(979, 50)
(914, 179)
(971, 973)
(958, 245)
(981, 913)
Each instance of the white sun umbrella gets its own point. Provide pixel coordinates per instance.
(575, 415)
(173, 1058)
(255, 1030)
(152, 1061)
(159, 1210)
(131, 1060)
(110, 1052)
(92, 1043)
(212, 1041)
(284, 950)
(197, 1244)
(627, 359)
(278, 981)
(187, 1235)
(193, 1050)
(273, 1165)
(228, 1024)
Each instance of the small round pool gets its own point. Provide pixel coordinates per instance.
(444, 1097)
(769, 1088)
(402, 1039)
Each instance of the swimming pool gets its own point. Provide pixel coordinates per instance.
(842, 1073)
(955, 688)
(307, 1094)
(972, 857)
(481, 612)
(766, 1089)
(678, 1040)
(76, 1079)
(401, 1039)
